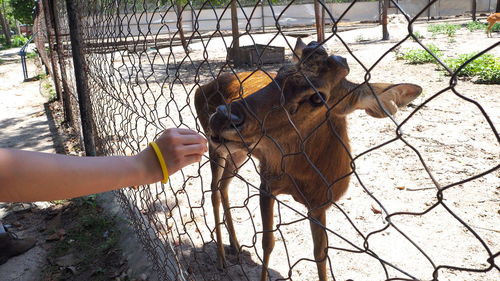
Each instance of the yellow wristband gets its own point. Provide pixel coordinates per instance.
(160, 160)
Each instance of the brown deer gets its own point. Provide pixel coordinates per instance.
(294, 123)
(492, 19)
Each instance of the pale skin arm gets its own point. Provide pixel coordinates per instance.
(27, 176)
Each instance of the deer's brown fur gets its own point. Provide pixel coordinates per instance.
(302, 146)
(492, 19)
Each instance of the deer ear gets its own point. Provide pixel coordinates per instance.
(391, 96)
(297, 50)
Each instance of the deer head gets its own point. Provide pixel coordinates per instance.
(301, 98)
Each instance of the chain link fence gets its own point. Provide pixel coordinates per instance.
(422, 202)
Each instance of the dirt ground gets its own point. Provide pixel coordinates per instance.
(450, 133)
(76, 240)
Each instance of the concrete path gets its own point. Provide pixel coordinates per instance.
(23, 125)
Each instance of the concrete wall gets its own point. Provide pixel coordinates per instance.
(446, 8)
(296, 15)
(210, 20)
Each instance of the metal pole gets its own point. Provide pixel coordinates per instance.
(262, 15)
(81, 79)
(66, 99)
(23, 53)
(55, 72)
(428, 10)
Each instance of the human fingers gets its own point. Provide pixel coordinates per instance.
(192, 139)
(190, 149)
(183, 131)
(191, 159)
(173, 137)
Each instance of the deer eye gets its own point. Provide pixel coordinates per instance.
(317, 99)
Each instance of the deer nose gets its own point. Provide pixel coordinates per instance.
(340, 60)
(232, 117)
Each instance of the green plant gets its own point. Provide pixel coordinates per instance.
(18, 41)
(420, 56)
(31, 55)
(443, 28)
(48, 89)
(485, 68)
(474, 25)
(496, 27)
(90, 237)
(418, 35)
(40, 76)
(22, 10)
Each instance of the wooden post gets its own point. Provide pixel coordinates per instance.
(473, 9)
(180, 28)
(236, 34)
(385, 31)
(262, 10)
(320, 21)
(81, 78)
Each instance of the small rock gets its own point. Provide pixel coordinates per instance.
(71, 269)
(66, 261)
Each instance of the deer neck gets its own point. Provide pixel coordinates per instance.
(326, 158)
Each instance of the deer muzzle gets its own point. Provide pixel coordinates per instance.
(225, 118)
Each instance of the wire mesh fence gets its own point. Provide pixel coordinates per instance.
(422, 202)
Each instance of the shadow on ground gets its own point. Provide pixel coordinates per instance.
(31, 132)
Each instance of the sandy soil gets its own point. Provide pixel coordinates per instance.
(23, 125)
(450, 134)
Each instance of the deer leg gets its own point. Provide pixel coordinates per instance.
(233, 163)
(266, 211)
(320, 240)
(216, 164)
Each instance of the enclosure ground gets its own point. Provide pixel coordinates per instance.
(451, 135)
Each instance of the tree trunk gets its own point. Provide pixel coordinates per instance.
(5, 28)
(320, 20)
(497, 9)
(18, 28)
(178, 6)
(385, 31)
(473, 9)
(236, 35)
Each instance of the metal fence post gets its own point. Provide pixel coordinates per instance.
(55, 72)
(81, 78)
(66, 99)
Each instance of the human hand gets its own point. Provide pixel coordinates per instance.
(181, 147)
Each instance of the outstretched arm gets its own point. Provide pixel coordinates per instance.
(33, 176)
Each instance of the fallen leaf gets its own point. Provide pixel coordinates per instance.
(58, 235)
(376, 210)
(401, 187)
